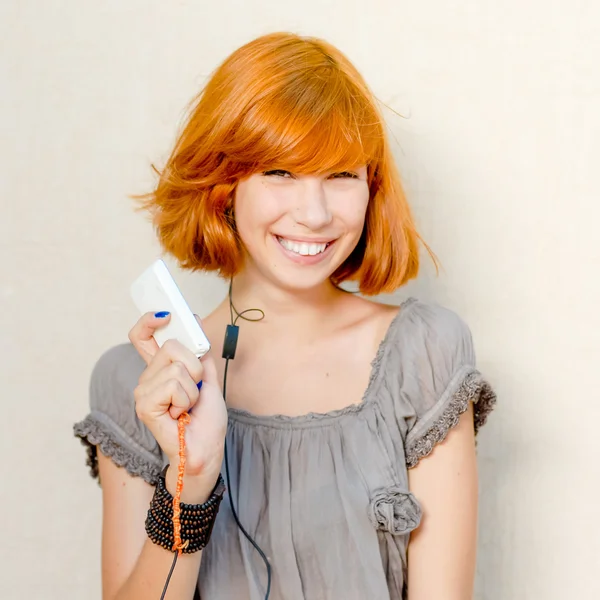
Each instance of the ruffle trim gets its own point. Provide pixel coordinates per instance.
(314, 418)
(395, 510)
(472, 389)
(94, 434)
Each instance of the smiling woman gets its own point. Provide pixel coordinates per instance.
(286, 108)
(308, 220)
(347, 422)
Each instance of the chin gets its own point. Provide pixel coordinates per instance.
(291, 282)
(299, 274)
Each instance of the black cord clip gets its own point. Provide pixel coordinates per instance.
(230, 343)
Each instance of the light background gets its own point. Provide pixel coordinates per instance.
(499, 147)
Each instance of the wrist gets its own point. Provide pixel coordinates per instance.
(196, 488)
(185, 527)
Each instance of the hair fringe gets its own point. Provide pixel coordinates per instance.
(287, 102)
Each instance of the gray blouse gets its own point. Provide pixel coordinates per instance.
(324, 495)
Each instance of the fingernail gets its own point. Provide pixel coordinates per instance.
(162, 314)
(199, 384)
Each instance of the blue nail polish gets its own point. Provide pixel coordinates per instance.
(199, 384)
(162, 314)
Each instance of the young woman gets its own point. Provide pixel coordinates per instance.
(348, 425)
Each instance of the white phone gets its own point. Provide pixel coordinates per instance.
(155, 290)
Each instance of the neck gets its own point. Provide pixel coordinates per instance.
(303, 307)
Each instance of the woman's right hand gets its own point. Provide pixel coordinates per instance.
(168, 387)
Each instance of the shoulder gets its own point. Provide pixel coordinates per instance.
(426, 352)
(431, 375)
(118, 369)
(112, 384)
(112, 424)
(437, 331)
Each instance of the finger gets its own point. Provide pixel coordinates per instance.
(180, 401)
(141, 334)
(173, 351)
(154, 402)
(175, 371)
(210, 367)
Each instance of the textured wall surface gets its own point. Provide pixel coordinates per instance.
(499, 133)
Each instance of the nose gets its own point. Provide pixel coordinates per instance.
(312, 208)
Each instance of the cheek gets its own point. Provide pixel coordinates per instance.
(354, 210)
(256, 209)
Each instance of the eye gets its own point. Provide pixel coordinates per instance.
(278, 173)
(344, 175)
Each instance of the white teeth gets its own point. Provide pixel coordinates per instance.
(301, 247)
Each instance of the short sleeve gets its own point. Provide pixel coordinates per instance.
(112, 423)
(440, 379)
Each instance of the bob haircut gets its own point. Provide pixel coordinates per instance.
(282, 102)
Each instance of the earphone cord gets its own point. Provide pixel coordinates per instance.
(164, 592)
(232, 310)
(234, 321)
(235, 516)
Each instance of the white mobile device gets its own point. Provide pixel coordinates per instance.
(155, 290)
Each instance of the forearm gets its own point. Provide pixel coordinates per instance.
(150, 574)
(439, 571)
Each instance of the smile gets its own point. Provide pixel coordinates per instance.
(303, 248)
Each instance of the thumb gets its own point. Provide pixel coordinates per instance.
(142, 334)
(209, 374)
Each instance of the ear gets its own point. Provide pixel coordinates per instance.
(230, 211)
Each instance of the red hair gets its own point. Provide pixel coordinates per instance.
(287, 102)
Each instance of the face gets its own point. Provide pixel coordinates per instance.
(298, 229)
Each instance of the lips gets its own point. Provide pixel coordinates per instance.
(303, 248)
(293, 250)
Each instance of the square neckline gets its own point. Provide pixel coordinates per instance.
(316, 419)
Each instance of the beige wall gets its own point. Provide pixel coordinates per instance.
(498, 152)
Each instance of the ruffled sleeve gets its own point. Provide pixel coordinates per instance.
(440, 379)
(112, 424)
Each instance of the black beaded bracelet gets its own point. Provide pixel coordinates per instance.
(197, 520)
